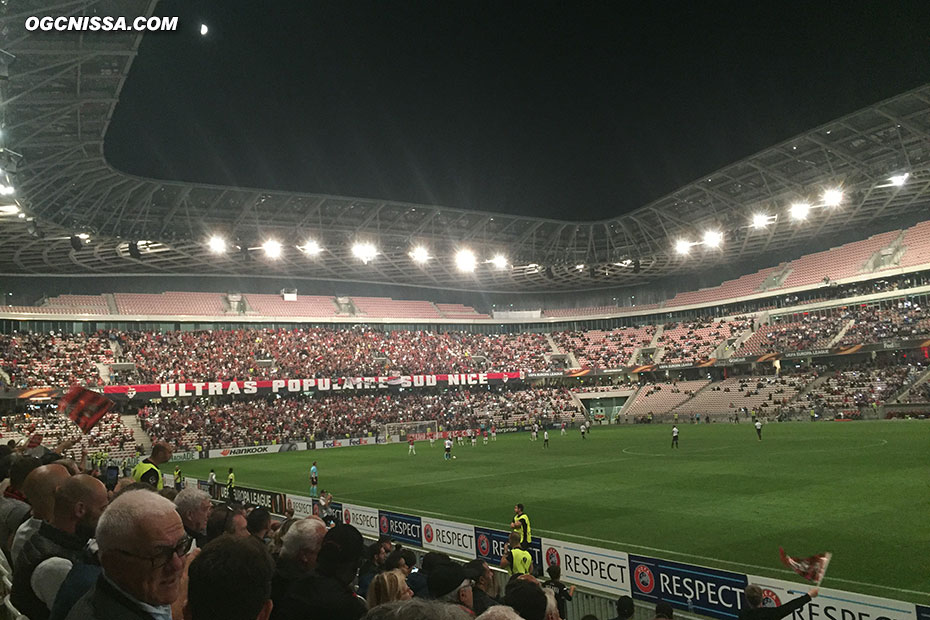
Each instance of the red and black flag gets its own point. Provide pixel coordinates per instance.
(812, 568)
(84, 406)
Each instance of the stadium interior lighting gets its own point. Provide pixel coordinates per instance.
(9, 209)
(899, 179)
(419, 254)
(272, 248)
(365, 252)
(760, 220)
(465, 260)
(217, 244)
(500, 261)
(83, 236)
(713, 238)
(7, 190)
(833, 197)
(310, 248)
(579, 267)
(204, 30)
(682, 246)
(799, 210)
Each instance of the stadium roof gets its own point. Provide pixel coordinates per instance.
(63, 87)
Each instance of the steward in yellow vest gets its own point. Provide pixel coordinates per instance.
(516, 560)
(147, 471)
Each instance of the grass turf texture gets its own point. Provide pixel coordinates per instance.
(724, 499)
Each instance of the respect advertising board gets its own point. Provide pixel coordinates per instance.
(453, 538)
(302, 506)
(365, 520)
(489, 546)
(833, 604)
(603, 569)
(400, 527)
(705, 591)
(923, 612)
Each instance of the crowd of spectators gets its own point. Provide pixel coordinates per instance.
(859, 387)
(873, 324)
(210, 423)
(53, 359)
(109, 435)
(59, 360)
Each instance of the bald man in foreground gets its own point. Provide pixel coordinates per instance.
(39, 488)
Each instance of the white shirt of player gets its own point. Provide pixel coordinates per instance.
(583, 429)
(546, 435)
(674, 431)
(448, 444)
(758, 425)
(536, 428)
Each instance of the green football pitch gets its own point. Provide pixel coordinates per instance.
(724, 499)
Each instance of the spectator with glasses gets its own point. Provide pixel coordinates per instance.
(143, 549)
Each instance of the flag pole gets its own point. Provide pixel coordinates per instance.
(826, 563)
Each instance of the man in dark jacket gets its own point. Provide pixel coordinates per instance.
(755, 611)
(49, 554)
(482, 585)
(326, 594)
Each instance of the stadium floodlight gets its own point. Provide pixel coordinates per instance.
(465, 260)
(83, 237)
(217, 244)
(799, 210)
(833, 197)
(760, 220)
(713, 238)
(682, 246)
(500, 261)
(204, 30)
(9, 209)
(419, 254)
(310, 248)
(899, 179)
(6, 190)
(272, 248)
(364, 251)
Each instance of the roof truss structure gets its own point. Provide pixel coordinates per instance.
(62, 90)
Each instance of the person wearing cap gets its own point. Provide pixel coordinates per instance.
(515, 559)
(625, 608)
(521, 524)
(326, 593)
(482, 585)
(448, 584)
(417, 580)
(755, 610)
(527, 598)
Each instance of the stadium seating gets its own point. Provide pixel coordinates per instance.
(855, 388)
(175, 304)
(599, 349)
(695, 342)
(304, 306)
(659, 398)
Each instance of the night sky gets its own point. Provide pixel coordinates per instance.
(565, 110)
